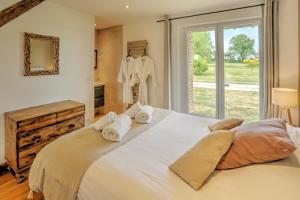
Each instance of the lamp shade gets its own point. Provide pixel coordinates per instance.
(285, 97)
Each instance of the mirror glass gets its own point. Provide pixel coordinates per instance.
(42, 55)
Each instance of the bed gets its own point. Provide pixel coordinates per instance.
(138, 169)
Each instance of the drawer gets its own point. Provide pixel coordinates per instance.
(37, 137)
(69, 114)
(99, 91)
(70, 125)
(26, 157)
(30, 143)
(36, 123)
(99, 102)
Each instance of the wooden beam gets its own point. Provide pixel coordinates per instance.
(16, 10)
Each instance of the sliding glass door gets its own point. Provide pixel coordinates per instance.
(242, 71)
(203, 72)
(224, 70)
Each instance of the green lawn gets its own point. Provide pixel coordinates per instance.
(204, 104)
(240, 104)
(234, 73)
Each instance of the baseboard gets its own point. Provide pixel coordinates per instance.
(3, 168)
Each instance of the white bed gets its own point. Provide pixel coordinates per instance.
(138, 170)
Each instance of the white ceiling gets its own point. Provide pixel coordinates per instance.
(113, 12)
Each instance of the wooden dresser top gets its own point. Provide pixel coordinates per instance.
(46, 109)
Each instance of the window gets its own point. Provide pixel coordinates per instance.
(224, 70)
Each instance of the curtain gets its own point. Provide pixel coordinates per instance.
(271, 67)
(167, 68)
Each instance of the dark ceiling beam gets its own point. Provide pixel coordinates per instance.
(16, 10)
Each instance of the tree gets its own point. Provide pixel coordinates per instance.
(241, 47)
(199, 66)
(203, 46)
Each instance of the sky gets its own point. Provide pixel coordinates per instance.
(251, 32)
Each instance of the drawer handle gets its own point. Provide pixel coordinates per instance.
(36, 138)
(71, 125)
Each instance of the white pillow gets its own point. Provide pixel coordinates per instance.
(294, 133)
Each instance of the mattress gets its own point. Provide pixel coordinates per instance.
(139, 170)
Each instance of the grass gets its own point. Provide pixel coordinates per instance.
(235, 73)
(240, 104)
(204, 104)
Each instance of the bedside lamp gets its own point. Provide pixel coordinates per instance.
(285, 99)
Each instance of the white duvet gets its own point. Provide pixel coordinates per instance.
(139, 170)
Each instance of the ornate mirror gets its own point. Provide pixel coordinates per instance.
(41, 55)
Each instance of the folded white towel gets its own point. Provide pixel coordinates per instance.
(145, 115)
(118, 129)
(133, 110)
(108, 118)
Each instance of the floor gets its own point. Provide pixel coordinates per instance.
(10, 190)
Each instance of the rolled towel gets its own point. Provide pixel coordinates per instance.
(145, 115)
(118, 129)
(107, 119)
(133, 110)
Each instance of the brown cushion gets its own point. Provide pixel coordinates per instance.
(258, 142)
(226, 124)
(198, 163)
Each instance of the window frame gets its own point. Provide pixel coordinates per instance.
(220, 59)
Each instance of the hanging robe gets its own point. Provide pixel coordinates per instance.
(126, 77)
(144, 69)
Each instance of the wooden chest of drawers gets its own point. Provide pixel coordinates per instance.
(27, 131)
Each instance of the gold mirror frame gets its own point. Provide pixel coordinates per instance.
(27, 55)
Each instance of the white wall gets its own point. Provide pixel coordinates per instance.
(75, 81)
(288, 45)
(153, 32)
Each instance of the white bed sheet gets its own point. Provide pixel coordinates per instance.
(139, 170)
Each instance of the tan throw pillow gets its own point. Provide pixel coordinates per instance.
(259, 142)
(195, 166)
(226, 124)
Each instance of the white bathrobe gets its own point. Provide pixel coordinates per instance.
(144, 69)
(126, 76)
